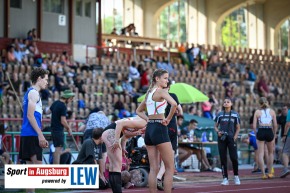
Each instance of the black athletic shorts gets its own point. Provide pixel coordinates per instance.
(57, 138)
(156, 133)
(29, 146)
(111, 126)
(172, 132)
(265, 134)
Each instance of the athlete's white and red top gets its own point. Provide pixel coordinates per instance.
(154, 107)
(27, 129)
(265, 120)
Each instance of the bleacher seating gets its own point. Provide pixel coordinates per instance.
(98, 79)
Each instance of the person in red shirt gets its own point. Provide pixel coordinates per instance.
(144, 82)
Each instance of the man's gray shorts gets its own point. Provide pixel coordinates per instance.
(286, 148)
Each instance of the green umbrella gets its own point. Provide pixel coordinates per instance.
(185, 93)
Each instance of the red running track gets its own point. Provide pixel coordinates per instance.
(276, 185)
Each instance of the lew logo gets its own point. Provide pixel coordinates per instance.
(84, 176)
(52, 176)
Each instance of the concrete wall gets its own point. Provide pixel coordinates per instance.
(1, 18)
(85, 27)
(85, 33)
(151, 10)
(128, 12)
(205, 18)
(138, 17)
(275, 12)
(51, 30)
(24, 19)
(80, 52)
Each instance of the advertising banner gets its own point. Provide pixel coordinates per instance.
(52, 176)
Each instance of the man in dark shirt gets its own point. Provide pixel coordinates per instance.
(91, 153)
(281, 120)
(58, 111)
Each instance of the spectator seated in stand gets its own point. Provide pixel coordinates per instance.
(250, 79)
(133, 72)
(10, 57)
(225, 71)
(120, 110)
(118, 89)
(127, 30)
(263, 88)
(145, 79)
(229, 89)
(129, 90)
(114, 31)
(18, 53)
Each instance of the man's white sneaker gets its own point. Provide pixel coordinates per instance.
(237, 180)
(225, 182)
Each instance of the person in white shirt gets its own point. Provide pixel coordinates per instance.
(141, 142)
(133, 72)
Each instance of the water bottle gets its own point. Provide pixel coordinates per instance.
(203, 137)
(191, 134)
(210, 138)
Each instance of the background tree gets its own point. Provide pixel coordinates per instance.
(172, 22)
(284, 32)
(233, 33)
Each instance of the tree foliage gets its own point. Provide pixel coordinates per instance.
(284, 32)
(169, 19)
(108, 24)
(233, 34)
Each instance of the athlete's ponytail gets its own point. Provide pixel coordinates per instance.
(263, 102)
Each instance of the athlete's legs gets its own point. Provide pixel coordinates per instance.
(154, 162)
(167, 156)
(260, 150)
(161, 170)
(184, 153)
(270, 146)
(115, 160)
(33, 161)
(205, 160)
(56, 155)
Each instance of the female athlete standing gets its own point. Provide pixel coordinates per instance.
(156, 135)
(227, 127)
(267, 127)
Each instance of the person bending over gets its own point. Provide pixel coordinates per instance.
(115, 137)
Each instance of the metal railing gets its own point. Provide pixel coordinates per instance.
(11, 139)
